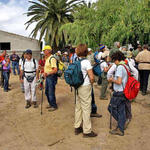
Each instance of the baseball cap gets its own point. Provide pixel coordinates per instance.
(28, 51)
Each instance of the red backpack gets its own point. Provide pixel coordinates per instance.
(132, 86)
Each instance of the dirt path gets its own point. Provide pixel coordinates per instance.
(26, 129)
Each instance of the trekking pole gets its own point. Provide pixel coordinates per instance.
(110, 113)
(42, 98)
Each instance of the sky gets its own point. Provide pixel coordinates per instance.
(13, 18)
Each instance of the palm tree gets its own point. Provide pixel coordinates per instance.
(49, 16)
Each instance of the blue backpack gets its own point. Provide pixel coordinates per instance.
(95, 57)
(73, 75)
(97, 69)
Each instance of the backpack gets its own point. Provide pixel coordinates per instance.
(73, 75)
(29, 78)
(97, 69)
(96, 57)
(60, 66)
(132, 86)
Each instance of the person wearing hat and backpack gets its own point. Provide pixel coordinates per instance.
(29, 75)
(50, 73)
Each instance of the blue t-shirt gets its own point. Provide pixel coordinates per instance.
(120, 72)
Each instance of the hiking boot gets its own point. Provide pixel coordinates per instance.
(49, 106)
(126, 124)
(28, 105)
(143, 93)
(52, 109)
(35, 104)
(96, 115)
(92, 134)
(103, 98)
(78, 130)
(116, 131)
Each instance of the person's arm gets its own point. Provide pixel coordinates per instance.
(119, 74)
(91, 76)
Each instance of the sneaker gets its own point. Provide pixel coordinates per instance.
(116, 131)
(78, 130)
(92, 134)
(52, 109)
(28, 105)
(5, 90)
(35, 104)
(96, 115)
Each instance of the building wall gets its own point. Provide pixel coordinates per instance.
(20, 43)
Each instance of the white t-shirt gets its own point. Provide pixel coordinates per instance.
(29, 66)
(85, 66)
(103, 65)
(20, 61)
(131, 61)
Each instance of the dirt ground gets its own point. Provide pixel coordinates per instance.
(27, 129)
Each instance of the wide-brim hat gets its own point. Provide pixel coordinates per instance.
(47, 47)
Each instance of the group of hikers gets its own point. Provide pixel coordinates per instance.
(108, 67)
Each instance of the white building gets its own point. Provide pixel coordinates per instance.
(13, 42)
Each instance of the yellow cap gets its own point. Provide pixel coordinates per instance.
(47, 47)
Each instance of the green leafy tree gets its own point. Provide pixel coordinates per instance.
(49, 16)
(107, 21)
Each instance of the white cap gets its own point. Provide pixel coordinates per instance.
(65, 53)
(89, 49)
(59, 52)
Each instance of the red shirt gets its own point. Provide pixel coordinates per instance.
(41, 64)
(1, 58)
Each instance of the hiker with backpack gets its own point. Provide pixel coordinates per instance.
(94, 107)
(104, 69)
(50, 74)
(83, 89)
(117, 102)
(29, 75)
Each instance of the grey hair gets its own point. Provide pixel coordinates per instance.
(116, 43)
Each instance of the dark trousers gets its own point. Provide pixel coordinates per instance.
(128, 109)
(51, 82)
(94, 107)
(2, 78)
(144, 75)
(15, 65)
(6, 80)
(117, 109)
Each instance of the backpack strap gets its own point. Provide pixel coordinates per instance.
(29, 71)
(129, 74)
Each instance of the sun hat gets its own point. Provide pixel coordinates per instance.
(47, 47)
(128, 54)
(65, 53)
